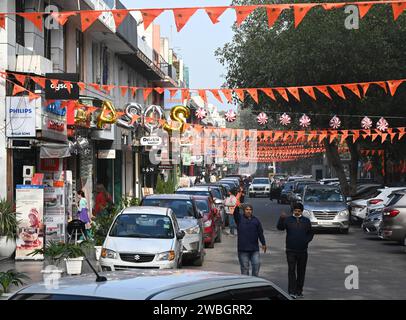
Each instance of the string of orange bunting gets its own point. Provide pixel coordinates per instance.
(295, 91)
(183, 15)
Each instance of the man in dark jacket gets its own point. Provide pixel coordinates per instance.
(299, 234)
(249, 230)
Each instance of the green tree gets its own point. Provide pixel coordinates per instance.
(322, 51)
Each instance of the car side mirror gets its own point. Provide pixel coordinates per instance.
(349, 198)
(180, 234)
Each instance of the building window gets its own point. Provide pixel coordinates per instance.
(20, 27)
(79, 54)
(47, 43)
(105, 62)
(96, 62)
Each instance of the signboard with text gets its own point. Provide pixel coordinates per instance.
(20, 117)
(60, 91)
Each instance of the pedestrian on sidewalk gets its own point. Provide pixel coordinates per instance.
(83, 211)
(249, 231)
(230, 205)
(298, 235)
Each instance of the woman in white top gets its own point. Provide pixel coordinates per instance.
(230, 204)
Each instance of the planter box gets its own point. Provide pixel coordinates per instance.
(74, 265)
(7, 247)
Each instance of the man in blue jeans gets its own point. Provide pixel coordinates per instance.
(249, 230)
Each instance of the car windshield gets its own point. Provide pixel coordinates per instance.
(181, 208)
(300, 187)
(323, 195)
(217, 193)
(260, 181)
(195, 192)
(202, 205)
(288, 186)
(142, 226)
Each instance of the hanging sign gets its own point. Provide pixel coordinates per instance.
(20, 117)
(63, 86)
(151, 141)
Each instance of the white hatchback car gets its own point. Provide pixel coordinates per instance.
(143, 237)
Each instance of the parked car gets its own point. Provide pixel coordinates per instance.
(212, 222)
(189, 218)
(371, 223)
(287, 188)
(326, 207)
(260, 186)
(296, 195)
(394, 219)
(234, 186)
(276, 189)
(156, 285)
(143, 237)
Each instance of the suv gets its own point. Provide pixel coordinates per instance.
(393, 225)
(259, 186)
(189, 219)
(326, 207)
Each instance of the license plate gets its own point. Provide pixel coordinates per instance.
(325, 222)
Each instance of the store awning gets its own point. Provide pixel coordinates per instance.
(54, 150)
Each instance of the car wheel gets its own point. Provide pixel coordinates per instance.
(253, 195)
(198, 262)
(344, 231)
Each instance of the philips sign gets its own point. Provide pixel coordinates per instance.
(16, 110)
(20, 117)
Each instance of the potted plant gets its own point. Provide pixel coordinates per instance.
(9, 278)
(8, 229)
(74, 256)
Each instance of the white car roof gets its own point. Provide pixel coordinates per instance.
(147, 284)
(146, 210)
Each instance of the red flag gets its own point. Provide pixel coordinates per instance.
(159, 90)
(240, 93)
(309, 91)
(88, 18)
(202, 94)
(300, 10)
(392, 134)
(133, 91)
(95, 85)
(398, 8)
(119, 16)
(337, 89)
(269, 93)
(365, 87)
(149, 15)
(182, 16)
(393, 86)
(383, 137)
(355, 135)
(68, 86)
(123, 90)
(34, 17)
(55, 83)
(82, 86)
(254, 94)
(2, 21)
(273, 13)
(227, 94)
(20, 78)
(108, 87)
(295, 92)
(243, 12)
(353, 88)
(283, 93)
(331, 6)
(173, 92)
(333, 135)
(146, 93)
(17, 89)
(322, 136)
(39, 81)
(364, 8)
(33, 96)
(216, 94)
(62, 17)
(374, 136)
(215, 12)
(382, 84)
(324, 90)
(401, 133)
(185, 94)
(344, 135)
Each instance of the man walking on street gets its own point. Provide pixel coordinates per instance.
(298, 235)
(249, 231)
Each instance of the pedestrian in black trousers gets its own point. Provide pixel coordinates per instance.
(298, 235)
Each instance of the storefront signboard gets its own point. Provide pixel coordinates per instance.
(53, 125)
(106, 154)
(54, 219)
(30, 208)
(61, 91)
(20, 117)
(151, 141)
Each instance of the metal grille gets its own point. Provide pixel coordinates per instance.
(136, 257)
(133, 267)
(324, 215)
(259, 188)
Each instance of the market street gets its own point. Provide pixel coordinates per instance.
(378, 261)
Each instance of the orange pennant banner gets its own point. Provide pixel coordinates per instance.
(393, 86)
(216, 94)
(2, 21)
(398, 9)
(365, 87)
(295, 92)
(242, 12)
(39, 81)
(355, 135)
(62, 17)
(353, 88)
(87, 18)
(159, 90)
(283, 93)
(82, 86)
(214, 13)
(269, 93)
(173, 92)
(337, 89)
(364, 8)
(240, 93)
(309, 91)
(324, 90)
(300, 10)
(123, 90)
(344, 135)
(202, 94)
(146, 93)
(273, 13)
(254, 94)
(17, 89)
(119, 16)
(20, 78)
(34, 17)
(182, 16)
(149, 15)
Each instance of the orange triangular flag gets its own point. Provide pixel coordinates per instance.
(17, 89)
(202, 94)
(34, 17)
(20, 78)
(383, 137)
(311, 135)
(182, 16)
(365, 87)
(353, 88)
(331, 6)
(337, 89)
(216, 94)
(240, 93)
(254, 94)
(300, 10)
(108, 87)
(55, 83)
(355, 135)
(364, 8)
(159, 90)
(119, 16)
(62, 17)
(68, 86)
(382, 84)
(324, 90)
(273, 13)
(398, 8)
(277, 135)
(309, 91)
(95, 85)
(82, 86)
(228, 94)
(366, 134)
(123, 90)
(33, 96)
(322, 136)
(149, 15)
(146, 92)
(88, 18)
(215, 12)
(344, 135)
(401, 132)
(39, 81)
(283, 93)
(269, 93)
(300, 135)
(393, 86)
(374, 136)
(242, 12)
(295, 92)
(2, 21)
(172, 92)
(185, 94)
(133, 91)
(333, 135)
(392, 134)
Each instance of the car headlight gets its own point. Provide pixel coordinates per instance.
(207, 223)
(343, 213)
(169, 255)
(193, 230)
(307, 213)
(109, 254)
